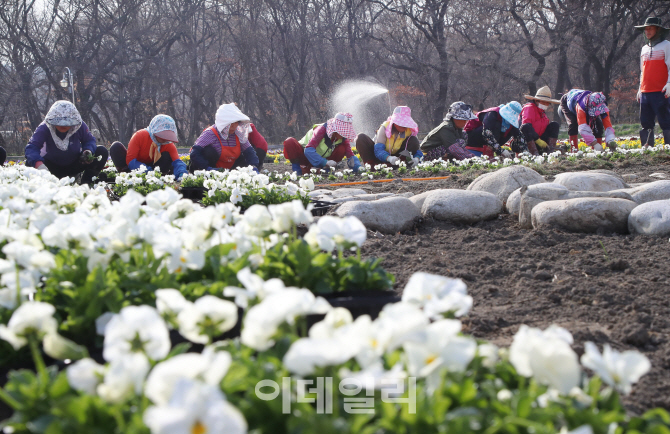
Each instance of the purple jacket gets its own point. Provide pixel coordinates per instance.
(42, 146)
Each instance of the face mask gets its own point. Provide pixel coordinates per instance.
(542, 106)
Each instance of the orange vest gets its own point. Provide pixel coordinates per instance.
(229, 154)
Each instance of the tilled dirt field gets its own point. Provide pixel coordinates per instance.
(604, 288)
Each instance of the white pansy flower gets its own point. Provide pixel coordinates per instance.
(257, 220)
(84, 375)
(262, 320)
(333, 232)
(195, 408)
(31, 318)
(618, 369)
(136, 329)
(169, 302)
(254, 287)
(208, 317)
(209, 367)
(440, 348)
(546, 356)
(124, 378)
(437, 294)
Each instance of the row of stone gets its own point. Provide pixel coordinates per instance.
(577, 201)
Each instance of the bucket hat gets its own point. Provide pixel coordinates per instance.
(510, 112)
(461, 111)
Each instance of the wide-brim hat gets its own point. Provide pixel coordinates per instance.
(651, 21)
(402, 117)
(543, 94)
(510, 112)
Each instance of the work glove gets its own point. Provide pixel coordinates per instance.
(541, 143)
(43, 167)
(86, 157)
(666, 90)
(393, 160)
(638, 97)
(597, 146)
(416, 161)
(331, 164)
(508, 154)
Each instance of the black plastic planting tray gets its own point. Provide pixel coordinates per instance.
(321, 207)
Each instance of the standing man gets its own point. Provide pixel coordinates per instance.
(654, 81)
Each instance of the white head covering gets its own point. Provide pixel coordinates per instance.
(63, 114)
(228, 114)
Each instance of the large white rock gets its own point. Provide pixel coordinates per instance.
(346, 192)
(389, 215)
(514, 200)
(584, 214)
(419, 199)
(651, 218)
(366, 197)
(504, 181)
(536, 194)
(590, 181)
(657, 190)
(462, 206)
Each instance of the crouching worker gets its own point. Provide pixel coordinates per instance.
(153, 146)
(323, 146)
(64, 146)
(494, 128)
(446, 141)
(224, 143)
(535, 125)
(586, 113)
(395, 141)
(259, 144)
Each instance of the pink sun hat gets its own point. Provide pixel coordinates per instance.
(402, 117)
(343, 124)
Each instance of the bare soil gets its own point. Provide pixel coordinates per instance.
(604, 288)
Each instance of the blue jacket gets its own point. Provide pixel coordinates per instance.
(42, 146)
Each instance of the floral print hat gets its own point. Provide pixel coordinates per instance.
(343, 124)
(63, 114)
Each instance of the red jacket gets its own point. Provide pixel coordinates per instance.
(256, 140)
(534, 115)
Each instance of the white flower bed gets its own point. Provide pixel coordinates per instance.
(116, 255)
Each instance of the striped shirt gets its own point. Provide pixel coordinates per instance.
(654, 64)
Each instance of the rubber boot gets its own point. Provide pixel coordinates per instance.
(666, 137)
(532, 148)
(644, 136)
(552, 145)
(574, 143)
(600, 141)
